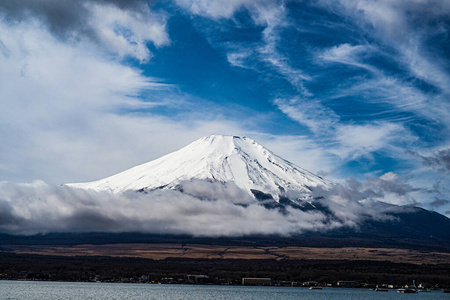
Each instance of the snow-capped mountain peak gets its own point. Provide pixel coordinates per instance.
(216, 158)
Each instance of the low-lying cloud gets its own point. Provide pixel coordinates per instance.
(199, 208)
(382, 189)
(40, 208)
(376, 198)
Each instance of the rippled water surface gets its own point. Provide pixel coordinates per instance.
(75, 290)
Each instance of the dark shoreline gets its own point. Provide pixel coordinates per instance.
(219, 271)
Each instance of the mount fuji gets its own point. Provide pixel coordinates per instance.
(218, 158)
(240, 163)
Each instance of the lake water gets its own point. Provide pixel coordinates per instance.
(80, 290)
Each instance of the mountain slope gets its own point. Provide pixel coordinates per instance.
(217, 158)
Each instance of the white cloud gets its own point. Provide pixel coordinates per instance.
(263, 12)
(126, 32)
(390, 188)
(238, 59)
(342, 52)
(349, 55)
(355, 199)
(393, 19)
(119, 27)
(362, 140)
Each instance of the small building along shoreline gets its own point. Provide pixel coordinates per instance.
(256, 281)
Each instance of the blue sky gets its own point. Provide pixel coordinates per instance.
(347, 89)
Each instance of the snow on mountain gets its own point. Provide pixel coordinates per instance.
(217, 158)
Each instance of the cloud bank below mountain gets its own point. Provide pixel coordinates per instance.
(38, 207)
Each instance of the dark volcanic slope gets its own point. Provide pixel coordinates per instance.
(416, 228)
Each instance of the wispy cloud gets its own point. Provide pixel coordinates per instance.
(269, 53)
(312, 114)
(349, 141)
(362, 140)
(347, 54)
(392, 19)
(262, 12)
(406, 28)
